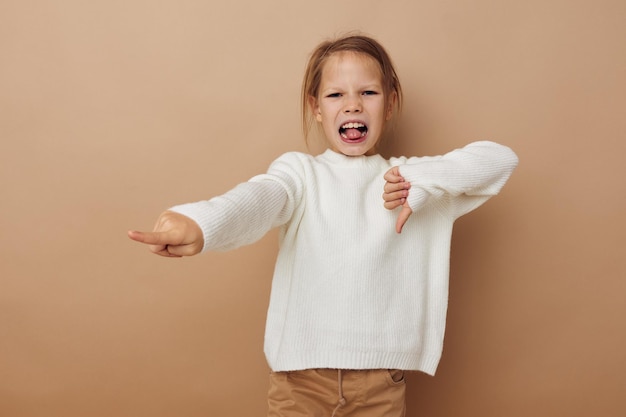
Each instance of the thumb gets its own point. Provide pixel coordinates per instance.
(403, 217)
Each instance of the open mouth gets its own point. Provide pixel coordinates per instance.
(353, 130)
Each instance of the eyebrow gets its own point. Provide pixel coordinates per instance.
(367, 86)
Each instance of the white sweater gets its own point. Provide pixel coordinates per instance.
(348, 291)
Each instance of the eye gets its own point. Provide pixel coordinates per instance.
(333, 95)
(370, 93)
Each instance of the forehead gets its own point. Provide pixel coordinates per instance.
(351, 64)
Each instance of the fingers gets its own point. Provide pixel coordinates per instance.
(395, 191)
(166, 251)
(395, 187)
(394, 196)
(391, 205)
(393, 175)
(403, 217)
(178, 251)
(158, 242)
(151, 238)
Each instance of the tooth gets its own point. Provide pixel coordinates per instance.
(352, 125)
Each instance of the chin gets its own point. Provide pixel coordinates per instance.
(355, 149)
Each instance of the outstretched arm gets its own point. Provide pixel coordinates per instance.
(470, 176)
(174, 236)
(238, 217)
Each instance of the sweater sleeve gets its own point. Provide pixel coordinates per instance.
(469, 176)
(246, 213)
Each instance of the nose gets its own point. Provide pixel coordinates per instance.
(353, 105)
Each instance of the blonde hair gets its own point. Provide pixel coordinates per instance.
(350, 43)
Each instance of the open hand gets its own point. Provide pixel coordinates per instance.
(174, 236)
(395, 194)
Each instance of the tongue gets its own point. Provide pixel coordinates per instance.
(353, 133)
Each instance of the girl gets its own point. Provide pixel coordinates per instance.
(354, 302)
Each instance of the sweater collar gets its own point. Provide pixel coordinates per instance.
(336, 157)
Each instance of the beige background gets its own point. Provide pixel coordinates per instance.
(111, 111)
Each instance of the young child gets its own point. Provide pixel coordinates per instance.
(360, 288)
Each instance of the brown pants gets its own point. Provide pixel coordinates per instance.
(337, 393)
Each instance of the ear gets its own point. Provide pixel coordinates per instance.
(315, 108)
(393, 99)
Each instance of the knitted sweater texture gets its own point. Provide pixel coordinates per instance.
(348, 291)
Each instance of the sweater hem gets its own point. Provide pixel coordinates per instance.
(411, 361)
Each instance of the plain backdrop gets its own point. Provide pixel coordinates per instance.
(112, 111)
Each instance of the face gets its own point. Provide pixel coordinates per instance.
(351, 103)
